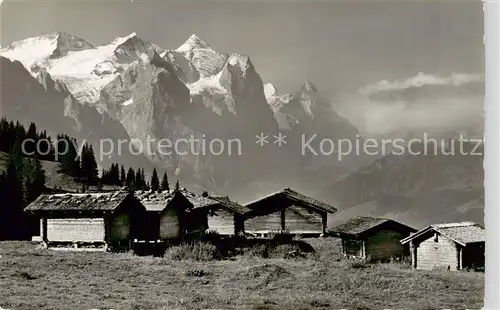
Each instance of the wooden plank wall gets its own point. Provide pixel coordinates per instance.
(301, 220)
(440, 254)
(75, 229)
(120, 226)
(264, 223)
(169, 224)
(352, 247)
(221, 221)
(384, 244)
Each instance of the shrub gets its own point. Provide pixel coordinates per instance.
(196, 273)
(286, 251)
(257, 250)
(200, 251)
(359, 263)
(271, 250)
(211, 236)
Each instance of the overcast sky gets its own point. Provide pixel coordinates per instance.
(338, 46)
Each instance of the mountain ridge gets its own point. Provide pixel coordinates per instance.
(153, 92)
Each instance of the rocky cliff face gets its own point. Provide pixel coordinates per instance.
(134, 89)
(52, 107)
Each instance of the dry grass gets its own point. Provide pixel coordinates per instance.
(32, 278)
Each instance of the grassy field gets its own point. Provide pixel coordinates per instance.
(33, 278)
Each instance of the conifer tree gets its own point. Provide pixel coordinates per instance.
(69, 159)
(139, 182)
(123, 177)
(34, 183)
(130, 179)
(45, 147)
(89, 169)
(30, 147)
(115, 174)
(164, 183)
(11, 208)
(177, 185)
(4, 135)
(143, 179)
(155, 182)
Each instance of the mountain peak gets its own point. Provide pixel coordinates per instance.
(269, 90)
(38, 49)
(308, 86)
(121, 40)
(191, 43)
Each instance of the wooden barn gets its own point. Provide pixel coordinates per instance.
(377, 238)
(226, 217)
(451, 246)
(99, 220)
(287, 211)
(173, 216)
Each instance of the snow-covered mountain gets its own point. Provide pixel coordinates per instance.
(49, 104)
(193, 90)
(83, 68)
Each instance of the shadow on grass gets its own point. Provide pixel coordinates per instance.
(215, 247)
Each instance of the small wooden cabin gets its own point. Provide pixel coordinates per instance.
(172, 216)
(99, 220)
(377, 238)
(287, 211)
(226, 217)
(451, 246)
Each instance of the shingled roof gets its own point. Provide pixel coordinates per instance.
(462, 233)
(198, 200)
(155, 201)
(295, 197)
(106, 201)
(358, 226)
(227, 203)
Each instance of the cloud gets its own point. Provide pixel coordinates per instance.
(421, 80)
(422, 103)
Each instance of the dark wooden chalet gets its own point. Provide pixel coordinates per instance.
(377, 238)
(226, 217)
(287, 211)
(103, 220)
(451, 246)
(173, 216)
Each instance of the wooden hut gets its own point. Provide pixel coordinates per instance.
(377, 238)
(226, 217)
(287, 211)
(173, 216)
(100, 220)
(451, 246)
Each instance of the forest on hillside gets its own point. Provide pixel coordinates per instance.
(23, 178)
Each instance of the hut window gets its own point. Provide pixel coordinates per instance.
(436, 237)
